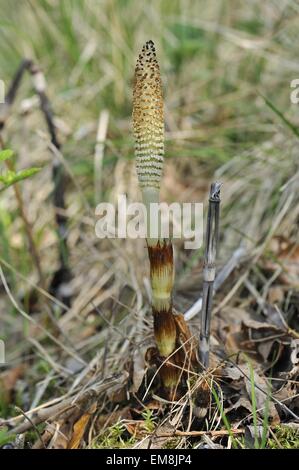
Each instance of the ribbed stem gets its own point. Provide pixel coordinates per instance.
(161, 276)
(148, 123)
(165, 326)
(209, 272)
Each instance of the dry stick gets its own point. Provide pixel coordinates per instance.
(11, 94)
(43, 414)
(221, 432)
(209, 271)
(32, 424)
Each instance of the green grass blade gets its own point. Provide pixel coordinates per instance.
(281, 115)
(254, 407)
(224, 418)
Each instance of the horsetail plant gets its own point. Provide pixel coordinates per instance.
(148, 124)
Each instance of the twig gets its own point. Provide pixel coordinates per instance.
(11, 94)
(211, 247)
(42, 414)
(290, 331)
(32, 425)
(222, 432)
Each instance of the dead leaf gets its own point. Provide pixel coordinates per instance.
(242, 402)
(232, 372)
(119, 392)
(79, 429)
(254, 434)
(260, 327)
(139, 369)
(264, 348)
(185, 336)
(60, 436)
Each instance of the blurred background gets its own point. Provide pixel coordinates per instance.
(217, 59)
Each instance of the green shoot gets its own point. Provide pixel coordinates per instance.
(225, 420)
